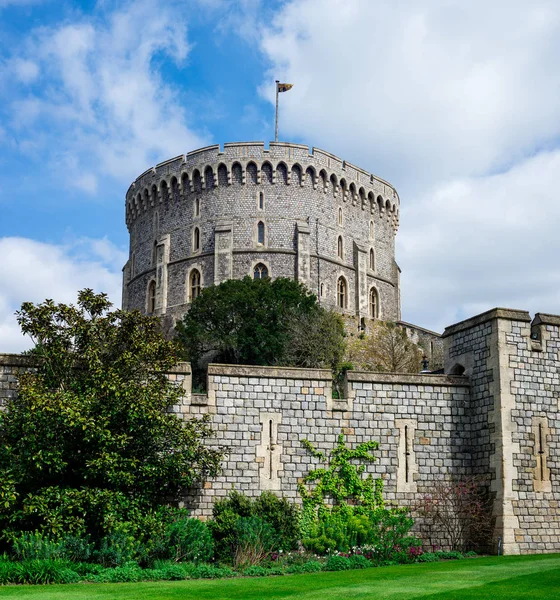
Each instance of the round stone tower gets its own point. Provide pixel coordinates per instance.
(211, 215)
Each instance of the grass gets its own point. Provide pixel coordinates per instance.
(495, 578)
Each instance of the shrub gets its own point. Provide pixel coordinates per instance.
(338, 563)
(117, 549)
(311, 566)
(128, 573)
(77, 549)
(282, 516)
(255, 571)
(43, 571)
(255, 540)
(189, 540)
(460, 510)
(35, 545)
(204, 571)
(359, 561)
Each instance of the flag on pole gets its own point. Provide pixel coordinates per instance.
(284, 87)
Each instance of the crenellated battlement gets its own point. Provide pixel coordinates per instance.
(291, 164)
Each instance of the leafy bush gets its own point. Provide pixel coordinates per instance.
(359, 561)
(338, 563)
(36, 546)
(77, 549)
(189, 540)
(428, 557)
(204, 571)
(283, 516)
(128, 573)
(279, 513)
(117, 549)
(94, 418)
(311, 566)
(255, 540)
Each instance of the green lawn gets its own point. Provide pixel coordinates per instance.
(508, 578)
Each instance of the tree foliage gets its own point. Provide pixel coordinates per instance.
(90, 442)
(386, 348)
(261, 322)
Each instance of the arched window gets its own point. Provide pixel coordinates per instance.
(260, 271)
(340, 216)
(152, 297)
(342, 295)
(373, 304)
(197, 207)
(196, 239)
(340, 248)
(321, 290)
(194, 284)
(372, 259)
(261, 200)
(260, 233)
(371, 229)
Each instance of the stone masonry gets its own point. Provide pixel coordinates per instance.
(218, 214)
(495, 413)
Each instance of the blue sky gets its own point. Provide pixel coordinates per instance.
(455, 103)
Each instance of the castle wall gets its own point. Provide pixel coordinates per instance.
(262, 414)
(515, 419)
(300, 189)
(495, 414)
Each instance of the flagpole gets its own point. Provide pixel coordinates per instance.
(276, 128)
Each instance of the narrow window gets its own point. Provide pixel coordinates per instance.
(340, 216)
(154, 254)
(194, 284)
(340, 249)
(196, 239)
(406, 455)
(261, 200)
(341, 290)
(372, 259)
(541, 477)
(270, 447)
(260, 233)
(321, 290)
(371, 229)
(406, 466)
(260, 271)
(152, 297)
(373, 304)
(197, 207)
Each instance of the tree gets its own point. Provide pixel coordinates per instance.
(386, 348)
(90, 440)
(260, 322)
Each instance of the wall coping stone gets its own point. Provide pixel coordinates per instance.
(17, 360)
(417, 328)
(275, 372)
(509, 314)
(546, 319)
(408, 378)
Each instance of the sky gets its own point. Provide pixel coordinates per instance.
(456, 103)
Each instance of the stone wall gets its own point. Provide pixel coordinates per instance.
(514, 368)
(262, 414)
(494, 414)
(11, 367)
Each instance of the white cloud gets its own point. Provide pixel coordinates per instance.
(438, 98)
(101, 95)
(25, 70)
(33, 271)
(477, 243)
